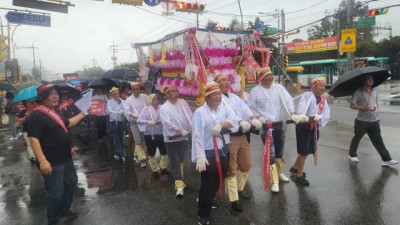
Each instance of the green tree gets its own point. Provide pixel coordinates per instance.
(211, 25)
(134, 65)
(234, 22)
(93, 72)
(323, 30)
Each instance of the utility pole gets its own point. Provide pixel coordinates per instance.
(338, 45)
(94, 62)
(113, 49)
(279, 40)
(34, 59)
(350, 7)
(241, 16)
(40, 68)
(9, 42)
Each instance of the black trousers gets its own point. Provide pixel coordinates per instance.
(153, 144)
(373, 130)
(279, 143)
(209, 185)
(101, 125)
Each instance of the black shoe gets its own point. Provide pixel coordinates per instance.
(214, 205)
(244, 195)
(295, 171)
(302, 180)
(155, 175)
(165, 172)
(70, 214)
(203, 221)
(236, 206)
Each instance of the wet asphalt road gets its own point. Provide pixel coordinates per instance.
(110, 192)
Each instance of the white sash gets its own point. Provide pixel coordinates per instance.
(227, 105)
(279, 92)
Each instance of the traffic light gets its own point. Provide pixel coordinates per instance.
(286, 61)
(378, 12)
(189, 7)
(3, 46)
(224, 28)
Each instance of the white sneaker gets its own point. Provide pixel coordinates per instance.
(135, 159)
(354, 159)
(275, 188)
(19, 134)
(179, 192)
(283, 178)
(116, 157)
(389, 163)
(122, 158)
(12, 139)
(143, 164)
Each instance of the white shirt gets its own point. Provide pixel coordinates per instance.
(267, 103)
(238, 106)
(113, 108)
(139, 103)
(313, 108)
(204, 119)
(149, 113)
(169, 114)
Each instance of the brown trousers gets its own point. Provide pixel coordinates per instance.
(239, 155)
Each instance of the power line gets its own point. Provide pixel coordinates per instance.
(318, 3)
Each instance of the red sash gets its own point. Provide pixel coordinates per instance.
(52, 114)
(218, 161)
(267, 156)
(314, 124)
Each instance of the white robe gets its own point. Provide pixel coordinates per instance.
(139, 104)
(203, 122)
(146, 116)
(267, 103)
(237, 106)
(313, 108)
(169, 114)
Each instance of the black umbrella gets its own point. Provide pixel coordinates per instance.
(101, 83)
(7, 87)
(68, 90)
(351, 81)
(122, 73)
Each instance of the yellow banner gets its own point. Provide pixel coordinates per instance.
(348, 40)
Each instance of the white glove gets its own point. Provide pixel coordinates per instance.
(262, 120)
(296, 119)
(216, 129)
(245, 126)
(151, 122)
(303, 118)
(135, 115)
(317, 117)
(201, 164)
(184, 133)
(256, 123)
(120, 112)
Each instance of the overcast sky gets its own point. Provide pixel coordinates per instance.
(84, 35)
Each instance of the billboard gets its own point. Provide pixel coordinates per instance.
(316, 45)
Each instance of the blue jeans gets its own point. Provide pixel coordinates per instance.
(60, 186)
(117, 132)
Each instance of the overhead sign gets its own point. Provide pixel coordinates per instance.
(28, 19)
(152, 2)
(348, 42)
(366, 22)
(129, 2)
(55, 6)
(317, 45)
(272, 30)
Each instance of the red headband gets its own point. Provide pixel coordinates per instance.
(212, 89)
(166, 88)
(220, 76)
(316, 82)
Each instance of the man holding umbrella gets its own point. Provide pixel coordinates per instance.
(365, 100)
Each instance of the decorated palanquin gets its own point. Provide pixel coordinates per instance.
(192, 57)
